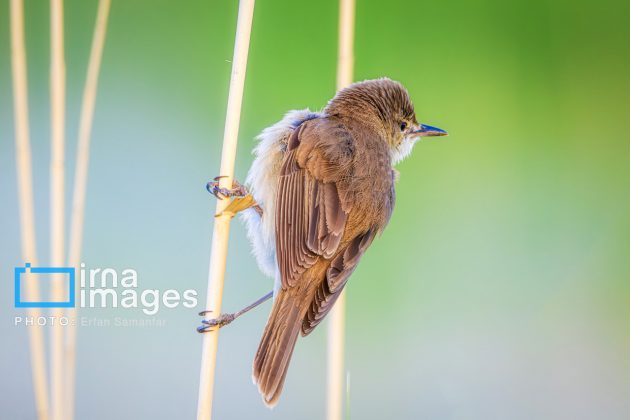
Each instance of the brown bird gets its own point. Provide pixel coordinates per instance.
(323, 185)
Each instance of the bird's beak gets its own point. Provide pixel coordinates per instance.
(428, 131)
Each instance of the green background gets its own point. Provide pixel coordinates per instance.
(501, 288)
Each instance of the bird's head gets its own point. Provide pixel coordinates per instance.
(383, 105)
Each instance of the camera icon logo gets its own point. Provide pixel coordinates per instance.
(20, 272)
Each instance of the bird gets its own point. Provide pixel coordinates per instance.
(321, 189)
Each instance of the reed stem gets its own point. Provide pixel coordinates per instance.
(57, 198)
(221, 229)
(25, 200)
(336, 325)
(79, 191)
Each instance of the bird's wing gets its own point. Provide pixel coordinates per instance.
(318, 244)
(311, 211)
(337, 275)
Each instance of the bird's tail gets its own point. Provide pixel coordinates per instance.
(276, 347)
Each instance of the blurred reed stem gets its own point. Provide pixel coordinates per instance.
(79, 191)
(25, 200)
(57, 170)
(337, 321)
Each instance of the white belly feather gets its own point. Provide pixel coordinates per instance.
(262, 181)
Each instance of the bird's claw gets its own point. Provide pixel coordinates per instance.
(221, 321)
(237, 189)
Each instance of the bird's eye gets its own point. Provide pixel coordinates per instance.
(403, 125)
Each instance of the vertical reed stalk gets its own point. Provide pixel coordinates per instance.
(25, 199)
(336, 328)
(57, 104)
(80, 186)
(221, 228)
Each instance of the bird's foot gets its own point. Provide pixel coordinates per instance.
(237, 190)
(225, 319)
(221, 321)
(242, 198)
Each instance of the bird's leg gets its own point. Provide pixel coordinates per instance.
(242, 198)
(225, 319)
